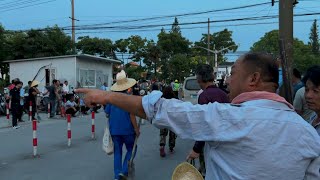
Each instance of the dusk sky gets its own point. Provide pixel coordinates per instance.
(15, 15)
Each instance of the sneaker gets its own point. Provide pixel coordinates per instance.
(162, 152)
(171, 150)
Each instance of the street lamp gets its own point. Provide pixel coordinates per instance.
(216, 52)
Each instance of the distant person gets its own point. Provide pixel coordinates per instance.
(71, 106)
(176, 88)
(33, 93)
(53, 97)
(296, 81)
(15, 104)
(26, 88)
(312, 95)
(104, 87)
(45, 94)
(167, 94)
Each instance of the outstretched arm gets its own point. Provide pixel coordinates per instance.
(132, 104)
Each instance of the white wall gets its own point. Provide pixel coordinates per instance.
(97, 65)
(26, 70)
(223, 71)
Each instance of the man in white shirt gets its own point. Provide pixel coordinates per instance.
(257, 136)
(45, 94)
(71, 106)
(65, 88)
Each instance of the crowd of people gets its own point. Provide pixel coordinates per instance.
(59, 97)
(246, 132)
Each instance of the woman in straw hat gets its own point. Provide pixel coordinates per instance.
(123, 127)
(33, 92)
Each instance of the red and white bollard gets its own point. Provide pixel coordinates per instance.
(69, 129)
(92, 125)
(35, 139)
(30, 111)
(49, 110)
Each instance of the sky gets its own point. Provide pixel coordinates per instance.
(27, 14)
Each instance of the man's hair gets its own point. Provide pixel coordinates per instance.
(17, 82)
(205, 73)
(296, 73)
(65, 81)
(155, 87)
(263, 63)
(312, 74)
(29, 82)
(12, 81)
(54, 81)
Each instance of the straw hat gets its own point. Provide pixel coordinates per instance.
(123, 82)
(34, 83)
(185, 171)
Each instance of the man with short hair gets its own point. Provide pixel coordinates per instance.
(257, 136)
(53, 97)
(211, 93)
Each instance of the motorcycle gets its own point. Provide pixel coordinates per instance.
(2, 104)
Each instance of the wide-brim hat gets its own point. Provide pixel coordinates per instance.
(34, 83)
(186, 171)
(123, 83)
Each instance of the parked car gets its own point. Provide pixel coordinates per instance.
(190, 89)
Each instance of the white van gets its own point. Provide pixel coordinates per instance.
(190, 90)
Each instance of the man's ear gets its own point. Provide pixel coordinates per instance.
(254, 78)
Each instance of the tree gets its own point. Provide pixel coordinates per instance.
(218, 40)
(136, 48)
(179, 67)
(175, 26)
(121, 46)
(314, 38)
(302, 53)
(96, 46)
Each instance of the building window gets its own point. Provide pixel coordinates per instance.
(88, 78)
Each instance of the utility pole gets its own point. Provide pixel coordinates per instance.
(286, 45)
(208, 42)
(73, 29)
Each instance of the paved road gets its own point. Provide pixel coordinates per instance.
(84, 160)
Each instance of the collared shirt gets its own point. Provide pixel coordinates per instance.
(257, 139)
(313, 117)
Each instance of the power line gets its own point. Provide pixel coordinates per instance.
(187, 23)
(179, 15)
(30, 5)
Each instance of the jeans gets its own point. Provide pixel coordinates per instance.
(53, 107)
(46, 101)
(118, 141)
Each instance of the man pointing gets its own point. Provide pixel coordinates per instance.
(257, 136)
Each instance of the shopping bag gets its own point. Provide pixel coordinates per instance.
(107, 143)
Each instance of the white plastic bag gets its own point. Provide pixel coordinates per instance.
(107, 144)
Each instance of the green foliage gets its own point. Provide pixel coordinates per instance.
(121, 46)
(95, 46)
(218, 40)
(303, 57)
(137, 47)
(179, 67)
(314, 38)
